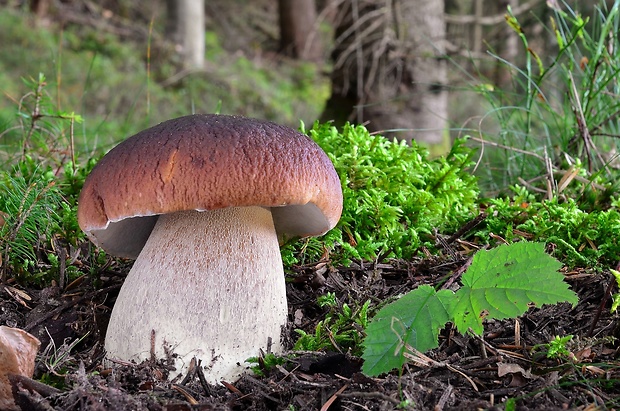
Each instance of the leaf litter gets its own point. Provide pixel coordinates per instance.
(507, 367)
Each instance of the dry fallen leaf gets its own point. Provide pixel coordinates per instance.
(509, 368)
(18, 350)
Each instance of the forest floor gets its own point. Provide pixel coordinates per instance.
(506, 369)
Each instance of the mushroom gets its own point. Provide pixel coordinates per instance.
(201, 202)
(18, 350)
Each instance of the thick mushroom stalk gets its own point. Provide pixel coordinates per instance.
(210, 285)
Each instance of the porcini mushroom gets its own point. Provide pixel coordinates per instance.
(200, 202)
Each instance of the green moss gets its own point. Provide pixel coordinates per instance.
(575, 236)
(395, 197)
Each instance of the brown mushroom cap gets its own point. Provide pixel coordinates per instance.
(206, 162)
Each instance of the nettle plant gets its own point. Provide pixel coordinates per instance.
(499, 283)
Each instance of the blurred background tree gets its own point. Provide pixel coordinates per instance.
(403, 67)
(299, 30)
(186, 28)
(390, 68)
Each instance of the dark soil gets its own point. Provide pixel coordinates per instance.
(475, 373)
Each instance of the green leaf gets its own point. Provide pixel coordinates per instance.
(414, 320)
(503, 282)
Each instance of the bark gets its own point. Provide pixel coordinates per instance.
(299, 34)
(389, 69)
(186, 28)
(428, 69)
(40, 9)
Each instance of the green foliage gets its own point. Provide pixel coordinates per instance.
(510, 404)
(415, 319)
(264, 364)
(579, 237)
(58, 360)
(557, 348)
(560, 107)
(277, 91)
(500, 283)
(37, 208)
(39, 189)
(45, 131)
(105, 79)
(394, 195)
(503, 282)
(103, 82)
(28, 209)
(340, 330)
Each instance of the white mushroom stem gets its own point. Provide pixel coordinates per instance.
(210, 284)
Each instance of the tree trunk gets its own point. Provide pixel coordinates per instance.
(186, 28)
(299, 34)
(428, 68)
(389, 69)
(40, 9)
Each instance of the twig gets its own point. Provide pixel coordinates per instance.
(331, 399)
(498, 145)
(444, 398)
(152, 342)
(599, 310)
(517, 333)
(466, 228)
(203, 381)
(185, 393)
(421, 360)
(457, 273)
(440, 242)
(264, 387)
(32, 386)
(582, 126)
(551, 184)
(456, 370)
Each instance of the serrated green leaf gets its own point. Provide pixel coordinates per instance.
(503, 282)
(415, 320)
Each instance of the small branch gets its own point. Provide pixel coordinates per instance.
(517, 150)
